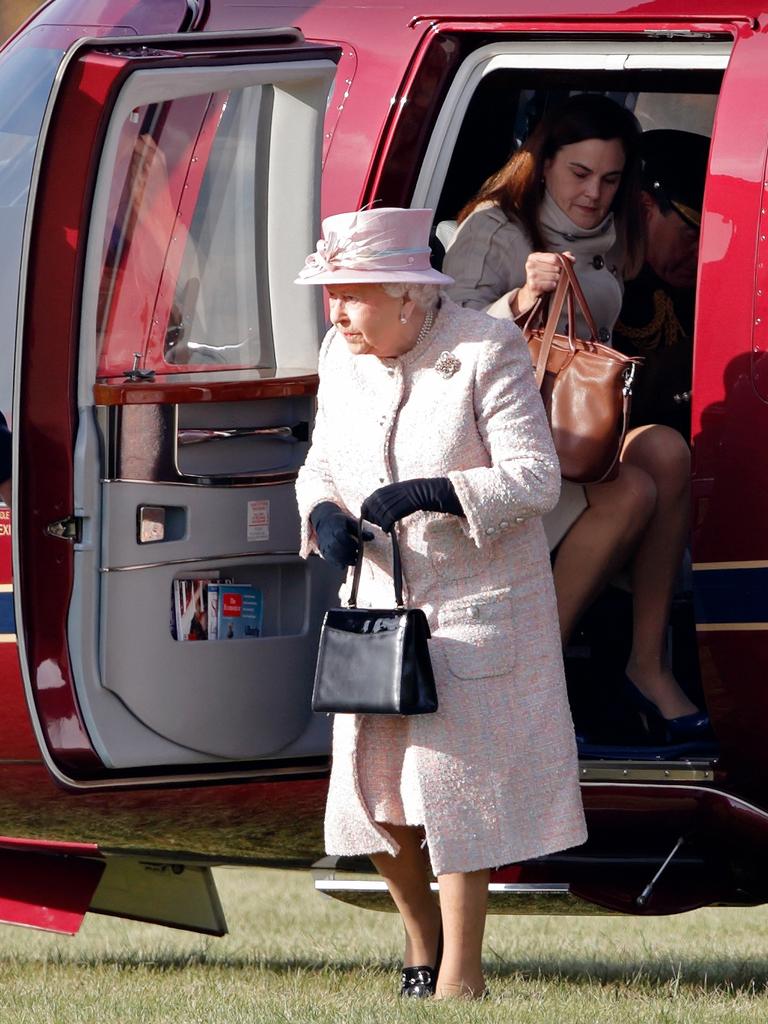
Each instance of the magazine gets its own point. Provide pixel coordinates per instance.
(205, 608)
(240, 611)
(189, 606)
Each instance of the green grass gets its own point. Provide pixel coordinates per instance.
(293, 956)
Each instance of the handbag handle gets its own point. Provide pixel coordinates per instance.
(567, 287)
(397, 568)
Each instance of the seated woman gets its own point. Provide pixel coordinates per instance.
(573, 187)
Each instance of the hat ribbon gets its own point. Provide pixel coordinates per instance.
(343, 253)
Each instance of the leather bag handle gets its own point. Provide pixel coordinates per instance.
(576, 290)
(397, 568)
(567, 287)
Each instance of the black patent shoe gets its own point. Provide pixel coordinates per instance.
(418, 982)
(693, 728)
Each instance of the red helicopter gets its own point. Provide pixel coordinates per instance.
(160, 168)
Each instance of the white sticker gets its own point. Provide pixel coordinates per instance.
(258, 520)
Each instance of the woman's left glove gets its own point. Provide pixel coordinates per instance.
(336, 534)
(388, 504)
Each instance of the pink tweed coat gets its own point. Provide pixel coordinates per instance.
(492, 776)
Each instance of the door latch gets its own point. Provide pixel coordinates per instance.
(135, 373)
(70, 528)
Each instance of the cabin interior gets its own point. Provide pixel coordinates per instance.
(666, 87)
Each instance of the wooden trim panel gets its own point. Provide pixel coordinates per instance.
(239, 386)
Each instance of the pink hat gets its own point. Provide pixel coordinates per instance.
(368, 246)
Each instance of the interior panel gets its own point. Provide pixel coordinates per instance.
(217, 697)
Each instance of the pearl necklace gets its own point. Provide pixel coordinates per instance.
(426, 327)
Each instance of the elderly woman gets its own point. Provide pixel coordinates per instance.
(573, 187)
(428, 421)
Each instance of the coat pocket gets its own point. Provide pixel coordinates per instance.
(475, 634)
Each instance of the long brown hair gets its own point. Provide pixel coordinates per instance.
(517, 188)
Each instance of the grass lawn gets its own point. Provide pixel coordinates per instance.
(293, 956)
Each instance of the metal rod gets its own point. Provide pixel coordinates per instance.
(645, 895)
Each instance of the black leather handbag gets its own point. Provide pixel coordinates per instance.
(375, 661)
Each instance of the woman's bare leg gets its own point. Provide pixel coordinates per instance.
(408, 880)
(601, 541)
(663, 454)
(463, 904)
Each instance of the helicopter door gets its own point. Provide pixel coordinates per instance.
(166, 374)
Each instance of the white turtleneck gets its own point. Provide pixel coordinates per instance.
(487, 255)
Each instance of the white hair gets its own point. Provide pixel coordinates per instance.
(424, 295)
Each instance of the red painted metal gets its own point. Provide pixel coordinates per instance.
(16, 845)
(138, 16)
(52, 893)
(55, 268)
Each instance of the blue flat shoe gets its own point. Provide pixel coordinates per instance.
(692, 728)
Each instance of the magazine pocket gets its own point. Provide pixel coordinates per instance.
(475, 635)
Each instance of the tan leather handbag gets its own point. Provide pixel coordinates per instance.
(586, 386)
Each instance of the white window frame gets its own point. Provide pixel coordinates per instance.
(566, 55)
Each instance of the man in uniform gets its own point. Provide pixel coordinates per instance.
(656, 319)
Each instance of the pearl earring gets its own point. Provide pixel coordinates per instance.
(403, 318)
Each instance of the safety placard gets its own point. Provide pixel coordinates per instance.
(258, 520)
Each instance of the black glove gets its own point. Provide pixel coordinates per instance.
(336, 534)
(392, 502)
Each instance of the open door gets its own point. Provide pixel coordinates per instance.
(165, 386)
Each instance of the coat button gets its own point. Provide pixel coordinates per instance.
(503, 525)
(473, 613)
(604, 335)
(490, 530)
(519, 519)
(598, 262)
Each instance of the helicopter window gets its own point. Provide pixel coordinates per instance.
(26, 77)
(181, 250)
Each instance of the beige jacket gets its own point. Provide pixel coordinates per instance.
(487, 259)
(487, 255)
(494, 771)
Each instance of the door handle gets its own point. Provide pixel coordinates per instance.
(202, 435)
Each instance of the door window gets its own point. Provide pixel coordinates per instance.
(181, 258)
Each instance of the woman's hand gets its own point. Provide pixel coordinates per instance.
(388, 504)
(336, 534)
(542, 272)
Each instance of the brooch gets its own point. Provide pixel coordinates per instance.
(447, 364)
